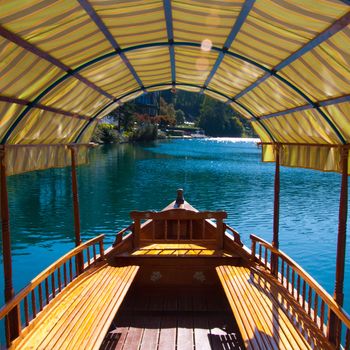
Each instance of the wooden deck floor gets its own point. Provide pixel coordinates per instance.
(174, 319)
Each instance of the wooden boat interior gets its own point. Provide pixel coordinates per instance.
(174, 279)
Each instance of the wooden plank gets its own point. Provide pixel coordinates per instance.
(339, 311)
(256, 296)
(276, 297)
(255, 315)
(151, 323)
(272, 318)
(101, 323)
(97, 322)
(266, 315)
(122, 329)
(167, 336)
(201, 331)
(56, 336)
(57, 307)
(151, 332)
(82, 317)
(250, 334)
(185, 331)
(133, 340)
(45, 274)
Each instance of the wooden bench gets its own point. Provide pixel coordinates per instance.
(267, 317)
(79, 317)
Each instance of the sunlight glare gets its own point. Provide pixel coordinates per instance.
(206, 45)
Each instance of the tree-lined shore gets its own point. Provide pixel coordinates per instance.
(139, 121)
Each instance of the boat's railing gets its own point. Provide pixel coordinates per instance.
(235, 234)
(327, 315)
(20, 311)
(121, 233)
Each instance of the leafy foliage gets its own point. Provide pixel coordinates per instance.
(105, 133)
(180, 117)
(218, 119)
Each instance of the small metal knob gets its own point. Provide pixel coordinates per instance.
(180, 198)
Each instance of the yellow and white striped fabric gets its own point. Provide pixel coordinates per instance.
(282, 64)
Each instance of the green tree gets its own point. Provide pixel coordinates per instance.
(105, 133)
(180, 117)
(218, 119)
(124, 116)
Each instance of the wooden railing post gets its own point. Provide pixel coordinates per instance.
(253, 253)
(220, 233)
(13, 320)
(276, 210)
(102, 251)
(137, 227)
(80, 259)
(334, 328)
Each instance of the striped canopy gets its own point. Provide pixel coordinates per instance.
(282, 64)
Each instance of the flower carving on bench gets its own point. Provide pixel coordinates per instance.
(156, 276)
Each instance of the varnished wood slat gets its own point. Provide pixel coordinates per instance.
(65, 274)
(134, 337)
(59, 279)
(284, 314)
(185, 332)
(339, 311)
(94, 252)
(40, 297)
(316, 308)
(304, 293)
(70, 270)
(53, 288)
(45, 274)
(250, 334)
(45, 317)
(70, 323)
(309, 301)
(81, 312)
(26, 311)
(260, 251)
(33, 304)
(322, 317)
(60, 310)
(151, 333)
(81, 321)
(88, 256)
(288, 333)
(101, 323)
(265, 318)
(167, 335)
(122, 333)
(201, 332)
(47, 293)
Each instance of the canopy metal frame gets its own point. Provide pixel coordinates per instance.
(171, 43)
(270, 72)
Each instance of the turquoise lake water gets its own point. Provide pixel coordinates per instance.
(215, 174)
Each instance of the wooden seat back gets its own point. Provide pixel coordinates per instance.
(179, 225)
